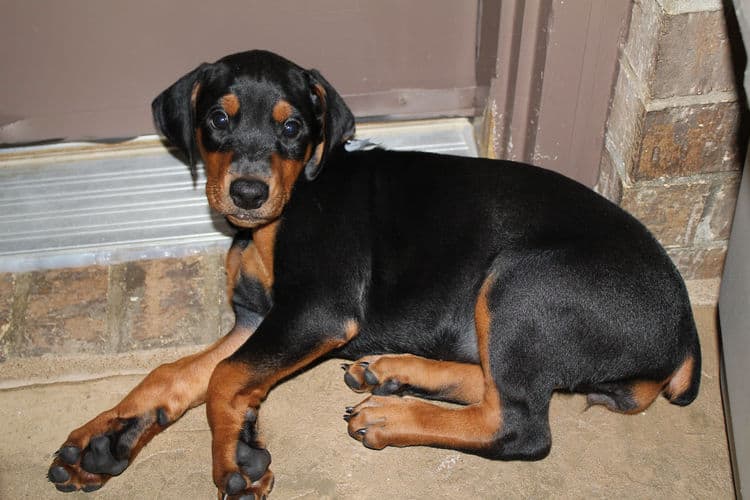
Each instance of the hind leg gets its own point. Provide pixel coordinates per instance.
(625, 397)
(632, 397)
(499, 426)
(391, 421)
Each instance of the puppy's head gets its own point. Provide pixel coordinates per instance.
(258, 121)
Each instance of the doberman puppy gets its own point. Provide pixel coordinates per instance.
(486, 283)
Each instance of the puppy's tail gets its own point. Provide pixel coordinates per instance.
(683, 386)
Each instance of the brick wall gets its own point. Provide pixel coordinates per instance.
(672, 154)
(114, 309)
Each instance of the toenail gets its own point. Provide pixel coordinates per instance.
(100, 444)
(254, 462)
(361, 432)
(345, 366)
(364, 364)
(351, 381)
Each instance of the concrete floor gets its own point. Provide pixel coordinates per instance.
(666, 452)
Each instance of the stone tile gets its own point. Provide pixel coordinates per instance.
(170, 302)
(697, 263)
(225, 308)
(7, 289)
(640, 49)
(693, 56)
(65, 312)
(689, 140)
(716, 223)
(609, 184)
(625, 122)
(671, 134)
(671, 212)
(682, 6)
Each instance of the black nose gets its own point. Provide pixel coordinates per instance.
(248, 194)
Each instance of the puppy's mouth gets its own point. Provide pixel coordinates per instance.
(246, 219)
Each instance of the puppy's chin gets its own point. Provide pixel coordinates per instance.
(244, 221)
(247, 220)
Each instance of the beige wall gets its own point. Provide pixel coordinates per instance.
(89, 68)
(550, 90)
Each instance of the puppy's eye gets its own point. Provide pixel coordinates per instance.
(218, 120)
(291, 128)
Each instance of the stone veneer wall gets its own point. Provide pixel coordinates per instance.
(673, 153)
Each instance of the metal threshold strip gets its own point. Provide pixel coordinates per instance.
(72, 208)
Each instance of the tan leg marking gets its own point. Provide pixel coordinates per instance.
(232, 266)
(680, 381)
(257, 258)
(644, 392)
(176, 386)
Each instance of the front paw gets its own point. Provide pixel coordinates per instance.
(370, 421)
(381, 421)
(101, 449)
(246, 476)
(238, 485)
(252, 478)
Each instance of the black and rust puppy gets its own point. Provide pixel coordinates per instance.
(486, 283)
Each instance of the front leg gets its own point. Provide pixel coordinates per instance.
(106, 445)
(278, 349)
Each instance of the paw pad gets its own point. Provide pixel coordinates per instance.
(370, 377)
(69, 454)
(253, 461)
(100, 460)
(235, 484)
(58, 474)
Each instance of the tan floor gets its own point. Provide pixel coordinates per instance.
(666, 452)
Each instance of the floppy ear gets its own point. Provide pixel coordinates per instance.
(336, 122)
(174, 113)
